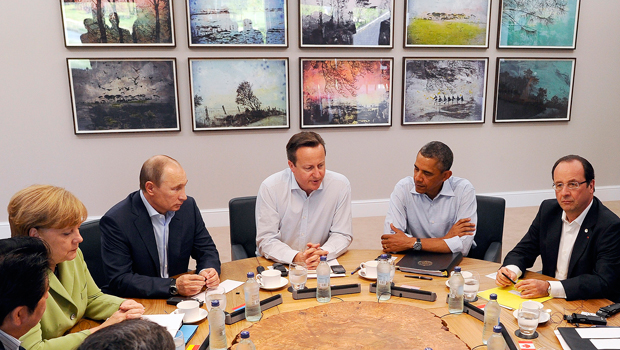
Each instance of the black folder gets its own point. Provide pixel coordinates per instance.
(428, 263)
(574, 341)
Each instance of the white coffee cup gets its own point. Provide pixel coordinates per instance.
(269, 278)
(370, 268)
(190, 309)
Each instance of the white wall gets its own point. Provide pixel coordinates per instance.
(37, 143)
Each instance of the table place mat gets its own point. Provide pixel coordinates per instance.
(508, 296)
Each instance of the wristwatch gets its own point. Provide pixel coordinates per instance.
(173, 287)
(417, 245)
(549, 289)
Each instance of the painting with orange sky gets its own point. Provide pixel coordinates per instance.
(346, 92)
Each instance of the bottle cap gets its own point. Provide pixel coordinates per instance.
(497, 329)
(250, 274)
(457, 269)
(428, 348)
(323, 258)
(215, 303)
(493, 296)
(245, 335)
(383, 256)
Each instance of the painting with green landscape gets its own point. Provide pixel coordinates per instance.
(543, 24)
(447, 23)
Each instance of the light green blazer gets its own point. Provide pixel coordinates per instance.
(73, 295)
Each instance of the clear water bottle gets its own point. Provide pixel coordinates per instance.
(384, 286)
(455, 298)
(252, 299)
(323, 291)
(496, 341)
(491, 318)
(217, 327)
(245, 343)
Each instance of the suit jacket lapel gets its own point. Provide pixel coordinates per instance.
(60, 289)
(583, 238)
(144, 225)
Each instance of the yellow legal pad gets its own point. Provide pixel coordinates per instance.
(508, 296)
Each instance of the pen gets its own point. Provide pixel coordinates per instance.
(505, 275)
(356, 269)
(420, 277)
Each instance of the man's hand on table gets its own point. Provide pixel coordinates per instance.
(311, 256)
(190, 284)
(532, 288)
(396, 242)
(211, 277)
(501, 280)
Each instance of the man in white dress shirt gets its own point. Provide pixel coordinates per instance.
(304, 211)
(577, 238)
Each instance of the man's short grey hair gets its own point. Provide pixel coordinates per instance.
(440, 151)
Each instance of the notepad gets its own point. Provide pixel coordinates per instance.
(508, 296)
(188, 331)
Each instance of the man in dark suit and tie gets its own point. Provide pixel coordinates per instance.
(577, 237)
(24, 266)
(148, 238)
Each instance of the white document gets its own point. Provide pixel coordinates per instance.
(172, 322)
(606, 343)
(599, 333)
(492, 276)
(228, 286)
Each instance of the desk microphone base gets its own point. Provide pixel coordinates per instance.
(265, 304)
(308, 293)
(403, 292)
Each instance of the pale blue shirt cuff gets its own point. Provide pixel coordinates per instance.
(455, 244)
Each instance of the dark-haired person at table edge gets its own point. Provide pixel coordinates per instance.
(577, 237)
(22, 300)
(148, 237)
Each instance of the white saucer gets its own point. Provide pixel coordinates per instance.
(283, 282)
(202, 314)
(362, 273)
(544, 317)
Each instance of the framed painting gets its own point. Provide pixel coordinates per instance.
(239, 23)
(538, 24)
(118, 22)
(124, 95)
(534, 89)
(346, 23)
(447, 23)
(444, 90)
(346, 92)
(236, 93)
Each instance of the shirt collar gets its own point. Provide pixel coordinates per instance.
(9, 341)
(152, 212)
(295, 185)
(580, 218)
(446, 190)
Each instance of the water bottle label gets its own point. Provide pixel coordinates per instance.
(323, 285)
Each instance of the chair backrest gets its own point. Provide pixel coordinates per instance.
(243, 225)
(91, 248)
(490, 226)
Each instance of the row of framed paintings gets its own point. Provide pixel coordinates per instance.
(322, 23)
(138, 95)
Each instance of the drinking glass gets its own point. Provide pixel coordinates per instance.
(472, 284)
(529, 313)
(179, 341)
(298, 275)
(218, 293)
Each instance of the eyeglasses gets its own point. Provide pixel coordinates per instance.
(571, 185)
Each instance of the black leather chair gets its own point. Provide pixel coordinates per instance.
(242, 227)
(91, 248)
(490, 229)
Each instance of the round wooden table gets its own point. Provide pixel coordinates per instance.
(465, 326)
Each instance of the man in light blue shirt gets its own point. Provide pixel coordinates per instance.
(433, 210)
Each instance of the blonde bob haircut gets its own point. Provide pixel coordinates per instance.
(44, 207)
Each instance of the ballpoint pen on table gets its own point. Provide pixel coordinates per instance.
(356, 269)
(420, 277)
